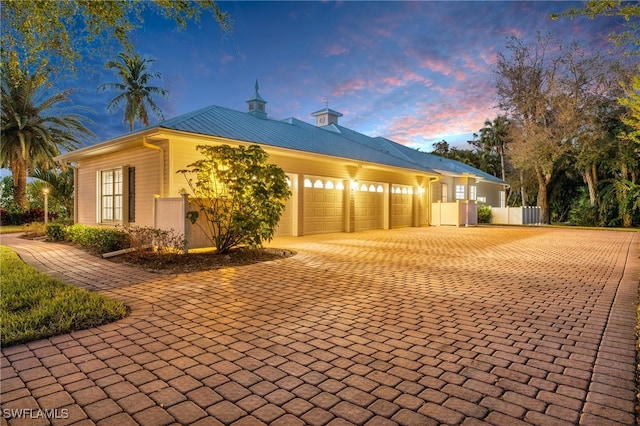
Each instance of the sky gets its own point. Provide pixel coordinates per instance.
(414, 72)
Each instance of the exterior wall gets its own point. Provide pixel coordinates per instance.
(490, 192)
(156, 176)
(147, 183)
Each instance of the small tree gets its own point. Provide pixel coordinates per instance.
(240, 196)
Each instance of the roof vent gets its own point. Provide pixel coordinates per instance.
(326, 116)
(257, 104)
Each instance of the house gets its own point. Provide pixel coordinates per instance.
(341, 180)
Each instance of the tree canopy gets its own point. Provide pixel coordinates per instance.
(63, 31)
(36, 125)
(134, 89)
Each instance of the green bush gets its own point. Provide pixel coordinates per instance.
(162, 241)
(102, 240)
(484, 213)
(55, 231)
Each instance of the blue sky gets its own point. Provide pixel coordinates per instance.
(414, 72)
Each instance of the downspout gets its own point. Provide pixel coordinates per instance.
(146, 144)
(431, 180)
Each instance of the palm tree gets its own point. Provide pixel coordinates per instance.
(35, 126)
(134, 88)
(495, 136)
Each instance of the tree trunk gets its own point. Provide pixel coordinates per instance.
(543, 198)
(523, 192)
(591, 184)
(19, 174)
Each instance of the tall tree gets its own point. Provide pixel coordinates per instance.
(58, 31)
(525, 84)
(134, 88)
(494, 137)
(35, 126)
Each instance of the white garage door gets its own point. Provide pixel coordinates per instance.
(323, 205)
(401, 206)
(369, 206)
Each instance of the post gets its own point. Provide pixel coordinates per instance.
(45, 191)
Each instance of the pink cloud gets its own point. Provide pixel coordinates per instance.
(335, 50)
(350, 86)
(226, 58)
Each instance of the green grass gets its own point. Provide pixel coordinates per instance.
(9, 229)
(34, 305)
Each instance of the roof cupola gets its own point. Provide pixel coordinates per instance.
(257, 104)
(326, 116)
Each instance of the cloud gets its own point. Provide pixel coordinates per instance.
(226, 58)
(349, 86)
(335, 50)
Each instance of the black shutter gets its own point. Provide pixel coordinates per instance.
(132, 194)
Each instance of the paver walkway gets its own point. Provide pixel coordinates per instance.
(415, 326)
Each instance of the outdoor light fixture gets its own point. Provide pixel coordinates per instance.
(45, 191)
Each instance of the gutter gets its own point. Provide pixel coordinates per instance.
(432, 180)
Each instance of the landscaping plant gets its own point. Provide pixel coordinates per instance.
(238, 194)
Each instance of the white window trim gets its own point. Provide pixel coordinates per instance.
(124, 208)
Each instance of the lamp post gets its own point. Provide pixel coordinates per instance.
(45, 191)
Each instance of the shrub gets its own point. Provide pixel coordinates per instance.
(240, 196)
(55, 231)
(34, 230)
(163, 241)
(14, 216)
(484, 213)
(102, 240)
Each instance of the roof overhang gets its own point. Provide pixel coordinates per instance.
(124, 142)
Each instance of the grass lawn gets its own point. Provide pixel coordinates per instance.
(34, 305)
(8, 229)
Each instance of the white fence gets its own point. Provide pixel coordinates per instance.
(459, 213)
(171, 214)
(528, 215)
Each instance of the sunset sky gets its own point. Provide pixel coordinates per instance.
(414, 72)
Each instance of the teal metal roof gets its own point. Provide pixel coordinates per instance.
(332, 140)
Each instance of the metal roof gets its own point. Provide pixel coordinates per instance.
(290, 133)
(332, 140)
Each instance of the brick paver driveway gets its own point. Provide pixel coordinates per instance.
(423, 326)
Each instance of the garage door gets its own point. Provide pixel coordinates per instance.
(369, 206)
(323, 205)
(401, 206)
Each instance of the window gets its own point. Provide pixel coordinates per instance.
(473, 192)
(503, 199)
(460, 192)
(117, 195)
(445, 193)
(111, 195)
